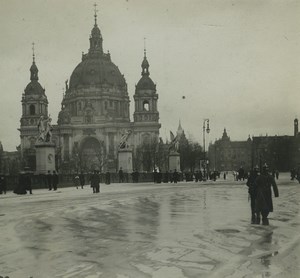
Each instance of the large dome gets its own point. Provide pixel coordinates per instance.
(96, 70)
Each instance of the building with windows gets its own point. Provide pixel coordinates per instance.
(279, 152)
(94, 112)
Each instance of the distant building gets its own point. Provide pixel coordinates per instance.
(279, 152)
(227, 155)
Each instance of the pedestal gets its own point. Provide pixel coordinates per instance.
(45, 157)
(125, 160)
(174, 161)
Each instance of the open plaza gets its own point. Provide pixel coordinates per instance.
(141, 230)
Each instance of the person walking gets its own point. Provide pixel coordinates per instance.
(82, 179)
(121, 175)
(107, 177)
(95, 182)
(54, 180)
(252, 190)
(2, 184)
(76, 181)
(263, 201)
(175, 176)
(49, 180)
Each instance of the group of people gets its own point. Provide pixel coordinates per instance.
(295, 174)
(52, 180)
(260, 193)
(24, 183)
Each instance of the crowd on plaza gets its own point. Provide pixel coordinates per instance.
(51, 179)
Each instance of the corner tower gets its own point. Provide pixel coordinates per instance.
(145, 97)
(34, 105)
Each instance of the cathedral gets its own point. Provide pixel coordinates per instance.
(94, 112)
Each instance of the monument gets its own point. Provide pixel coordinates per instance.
(125, 153)
(45, 148)
(174, 156)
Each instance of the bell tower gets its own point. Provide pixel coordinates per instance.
(145, 96)
(34, 105)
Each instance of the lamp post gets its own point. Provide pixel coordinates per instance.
(207, 130)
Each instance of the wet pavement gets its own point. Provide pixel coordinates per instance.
(147, 230)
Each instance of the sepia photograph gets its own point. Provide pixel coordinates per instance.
(149, 139)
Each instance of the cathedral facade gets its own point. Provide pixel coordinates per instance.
(94, 112)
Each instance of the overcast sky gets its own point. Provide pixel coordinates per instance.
(236, 62)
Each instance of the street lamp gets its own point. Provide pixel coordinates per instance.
(205, 121)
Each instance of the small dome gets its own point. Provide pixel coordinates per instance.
(146, 83)
(96, 70)
(145, 63)
(96, 32)
(34, 88)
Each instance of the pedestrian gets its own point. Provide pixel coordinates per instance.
(155, 176)
(2, 184)
(121, 175)
(27, 181)
(224, 175)
(263, 201)
(197, 176)
(159, 176)
(95, 182)
(200, 176)
(107, 177)
(171, 176)
(24, 183)
(20, 186)
(277, 174)
(175, 176)
(82, 179)
(252, 190)
(76, 180)
(166, 177)
(49, 180)
(54, 180)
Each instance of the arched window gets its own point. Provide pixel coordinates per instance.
(32, 109)
(146, 105)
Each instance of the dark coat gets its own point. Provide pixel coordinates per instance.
(95, 180)
(55, 179)
(82, 179)
(251, 183)
(263, 201)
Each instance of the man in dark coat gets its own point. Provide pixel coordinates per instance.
(82, 179)
(121, 175)
(95, 182)
(155, 176)
(24, 183)
(2, 184)
(263, 201)
(166, 177)
(252, 190)
(175, 176)
(107, 177)
(54, 180)
(49, 180)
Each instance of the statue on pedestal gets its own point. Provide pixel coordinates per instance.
(45, 129)
(174, 145)
(124, 139)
